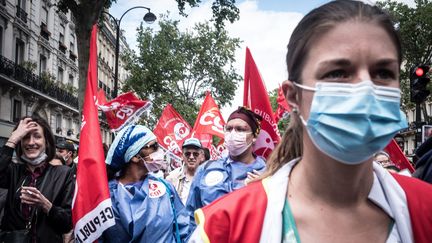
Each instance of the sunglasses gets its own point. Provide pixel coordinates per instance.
(154, 146)
(195, 154)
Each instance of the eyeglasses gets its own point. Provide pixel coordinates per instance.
(188, 154)
(154, 146)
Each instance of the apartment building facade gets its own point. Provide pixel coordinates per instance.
(39, 67)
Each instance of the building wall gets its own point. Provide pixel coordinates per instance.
(36, 36)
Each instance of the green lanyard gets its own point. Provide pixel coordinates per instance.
(289, 229)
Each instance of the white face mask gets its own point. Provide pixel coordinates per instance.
(236, 142)
(158, 174)
(157, 161)
(36, 161)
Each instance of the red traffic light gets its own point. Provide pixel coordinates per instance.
(419, 72)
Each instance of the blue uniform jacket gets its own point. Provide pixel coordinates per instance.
(217, 178)
(143, 213)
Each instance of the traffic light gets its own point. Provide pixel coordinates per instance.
(418, 81)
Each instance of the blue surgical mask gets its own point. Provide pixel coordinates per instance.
(351, 122)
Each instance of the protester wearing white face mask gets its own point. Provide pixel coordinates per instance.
(220, 177)
(146, 208)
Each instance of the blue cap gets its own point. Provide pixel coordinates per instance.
(192, 142)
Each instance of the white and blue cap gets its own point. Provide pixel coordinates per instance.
(192, 142)
(128, 142)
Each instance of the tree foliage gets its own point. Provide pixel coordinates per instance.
(222, 10)
(415, 29)
(284, 122)
(178, 67)
(88, 12)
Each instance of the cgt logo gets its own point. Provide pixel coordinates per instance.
(171, 145)
(181, 131)
(125, 111)
(209, 118)
(264, 144)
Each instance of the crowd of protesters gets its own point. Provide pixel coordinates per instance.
(328, 180)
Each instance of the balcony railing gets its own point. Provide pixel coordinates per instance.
(44, 31)
(62, 47)
(22, 75)
(21, 14)
(72, 56)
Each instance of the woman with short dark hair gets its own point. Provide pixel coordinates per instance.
(39, 194)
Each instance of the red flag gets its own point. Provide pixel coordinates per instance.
(91, 208)
(283, 108)
(256, 98)
(171, 130)
(398, 157)
(209, 119)
(205, 139)
(122, 110)
(216, 152)
(101, 98)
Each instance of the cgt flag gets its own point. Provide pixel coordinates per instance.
(91, 208)
(122, 110)
(209, 119)
(398, 157)
(171, 130)
(256, 98)
(283, 108)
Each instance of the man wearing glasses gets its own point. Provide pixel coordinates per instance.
(182, 177)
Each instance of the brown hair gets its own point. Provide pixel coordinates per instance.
(310, 28)
(49, 137)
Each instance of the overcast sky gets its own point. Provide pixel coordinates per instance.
(264, 26)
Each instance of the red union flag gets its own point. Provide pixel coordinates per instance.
(398, 157)
(100, 97)
(209, 119)
(171, 130)
(205, 139)
(283, 108)
(91, 208)
(256, 98)
(122, 110)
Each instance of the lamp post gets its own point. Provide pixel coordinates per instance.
(149, 18)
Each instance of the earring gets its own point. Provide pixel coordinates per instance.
(295, 110)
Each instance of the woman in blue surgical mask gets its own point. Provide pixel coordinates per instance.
(146, 208)
(322, 184)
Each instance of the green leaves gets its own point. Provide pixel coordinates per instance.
(178, 67)
(415, 29)
(222, 10)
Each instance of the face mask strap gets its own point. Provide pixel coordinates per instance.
(304, 87)
(303, 120)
